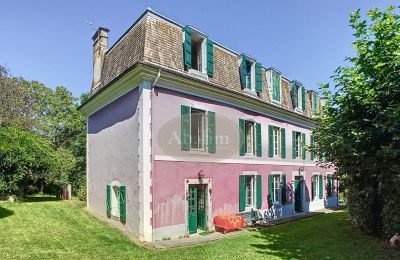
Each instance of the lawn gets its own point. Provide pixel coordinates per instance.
(47, 228)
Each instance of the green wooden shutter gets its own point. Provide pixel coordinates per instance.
(303, 147)
(312, 147)
(294, 95)
(258, 140)
(283, 189)
(187, 46)
(294, 146)
(303, 98)
(276, 86)
(315, 102)
(122, 204)
(270, 141)
(243, 72)
(321, 186)
(108, 201)
(283, 143)
(259, 192)
(258, 78)
(242, 193)
(211, 132)
(242, 137)
(329, 185)
(313, 186)
(185, 128)
(210, 57)
(270, 190)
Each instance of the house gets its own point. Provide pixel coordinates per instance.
(182, 129)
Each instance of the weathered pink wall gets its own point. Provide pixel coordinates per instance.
(168, 175)
(169, 187)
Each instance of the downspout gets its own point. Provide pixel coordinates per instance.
(152, 151)
(155, 80)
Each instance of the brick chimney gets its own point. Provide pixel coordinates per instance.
(100, 46)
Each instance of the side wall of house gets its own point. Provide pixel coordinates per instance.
(113, 156)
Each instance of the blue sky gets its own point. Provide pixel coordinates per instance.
(50, 42)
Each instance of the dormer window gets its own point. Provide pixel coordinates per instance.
(198, 53)
(298, 96)
(250, 75)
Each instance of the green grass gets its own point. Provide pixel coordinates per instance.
(41, 228)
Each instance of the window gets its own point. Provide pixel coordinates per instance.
(277, 141)
(249, 75)
(198, 52)
(317, 186)
(250, 142)
(198, 130)
(297, 145)
(277, 189)
(115, 197)
(250, 188)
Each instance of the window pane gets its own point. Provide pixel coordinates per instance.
(197, 129)
(277, 189)
(249, 137)
(249, 183)
(248, 74)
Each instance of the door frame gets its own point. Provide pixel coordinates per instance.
(302, 174)
(208, 211)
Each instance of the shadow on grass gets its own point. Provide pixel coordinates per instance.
(5, 213)
(41, 198)
(288, 241)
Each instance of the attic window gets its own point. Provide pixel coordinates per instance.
(198, 53)
(249, 66)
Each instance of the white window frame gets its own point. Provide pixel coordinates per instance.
(316, 197)
(277, 188)
(276, 135)
(252, 89)
(252, 137)
(204, 131)
(299, 141)
(253, 176)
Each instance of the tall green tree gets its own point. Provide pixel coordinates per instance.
(16, 101)
(359, 129)
(26, 161)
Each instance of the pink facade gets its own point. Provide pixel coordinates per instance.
(171, 167)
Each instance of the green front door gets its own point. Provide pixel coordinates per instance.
(192, 208)
(297, 193)
(201, 207)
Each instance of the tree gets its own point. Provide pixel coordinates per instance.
(358, 130)
(25, 160)
(16, 106)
